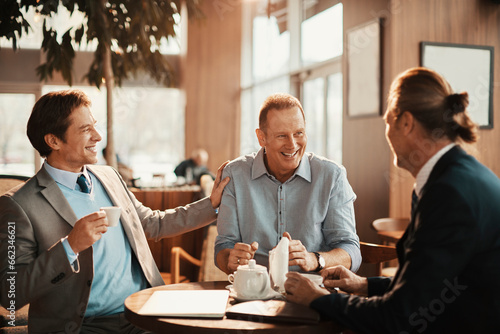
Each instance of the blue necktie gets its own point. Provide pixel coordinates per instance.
(84, 184)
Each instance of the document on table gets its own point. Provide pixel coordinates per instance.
(186, 303)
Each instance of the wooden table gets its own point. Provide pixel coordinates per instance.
(213, 326)
(191, 242)
(390, 236)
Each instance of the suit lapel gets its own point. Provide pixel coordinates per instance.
(50, 190)
(119, 195)
(449, 157)
(109, 184)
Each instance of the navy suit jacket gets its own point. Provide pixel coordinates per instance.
(448, 280)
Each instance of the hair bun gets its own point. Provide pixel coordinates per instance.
(457, 102)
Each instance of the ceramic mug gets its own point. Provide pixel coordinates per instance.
(250, 281)
(112, 214)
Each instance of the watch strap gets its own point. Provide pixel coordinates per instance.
(318, 257)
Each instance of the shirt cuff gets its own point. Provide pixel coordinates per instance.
(72, 257)
(354, 253)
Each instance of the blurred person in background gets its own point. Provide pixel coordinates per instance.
(194, 168)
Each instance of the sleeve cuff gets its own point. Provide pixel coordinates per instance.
(354, 253)
(72, 257)
(377, 286)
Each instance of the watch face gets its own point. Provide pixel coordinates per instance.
(321, 261)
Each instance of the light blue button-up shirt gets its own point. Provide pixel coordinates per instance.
(315, 205)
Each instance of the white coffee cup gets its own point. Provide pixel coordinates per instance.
(316, 279)
(250, 281)
(112, 214)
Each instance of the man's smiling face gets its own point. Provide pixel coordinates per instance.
(79, 145)
(285, 140)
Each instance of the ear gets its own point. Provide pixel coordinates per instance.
(407, 122)
(52, 141)
(261, 136)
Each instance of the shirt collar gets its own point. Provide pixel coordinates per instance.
(64, 177)
(259, 167)
(423, 174)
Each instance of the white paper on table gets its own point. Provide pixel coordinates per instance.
(186, 303)
(278, 265)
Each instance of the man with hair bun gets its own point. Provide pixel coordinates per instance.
(449, 256)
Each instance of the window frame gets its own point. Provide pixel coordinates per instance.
(297, 73)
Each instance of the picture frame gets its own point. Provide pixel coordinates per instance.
(364, 69)
(467, 68)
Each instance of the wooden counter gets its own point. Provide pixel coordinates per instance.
(168, 198)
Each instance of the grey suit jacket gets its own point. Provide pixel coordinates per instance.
(36, 216)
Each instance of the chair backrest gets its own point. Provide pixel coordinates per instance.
(8, 182)
(208, 270)
(374, 253)
(390, 224)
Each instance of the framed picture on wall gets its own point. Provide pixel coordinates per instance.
(363, 51)
(467, 68)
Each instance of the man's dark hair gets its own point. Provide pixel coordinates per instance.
(50, 115)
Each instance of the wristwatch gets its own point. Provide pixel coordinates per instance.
(321, 261)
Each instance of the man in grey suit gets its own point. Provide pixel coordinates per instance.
(57, 251)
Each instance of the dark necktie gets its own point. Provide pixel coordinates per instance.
(414, 202)
(84, 184)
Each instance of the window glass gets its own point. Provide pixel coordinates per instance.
(314, 110)
(299, 44)
(60, 22)
(148, 127)
(16, 153)
(321, 31)
(334, 118)
(271, 40)
(64, 20)
(251, 100)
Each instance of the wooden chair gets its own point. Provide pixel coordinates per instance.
(390, 224)
(208, 271)
(8, 182)
(377, 254)
(385, 225)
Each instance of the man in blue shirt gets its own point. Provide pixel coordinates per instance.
(283, 191)
(72, 269)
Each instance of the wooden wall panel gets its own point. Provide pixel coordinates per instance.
(365, 151)
(211, 79)
(448, 21)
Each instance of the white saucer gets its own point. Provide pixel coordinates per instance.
(270, 295)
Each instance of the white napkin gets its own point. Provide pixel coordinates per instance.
(278, 265)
